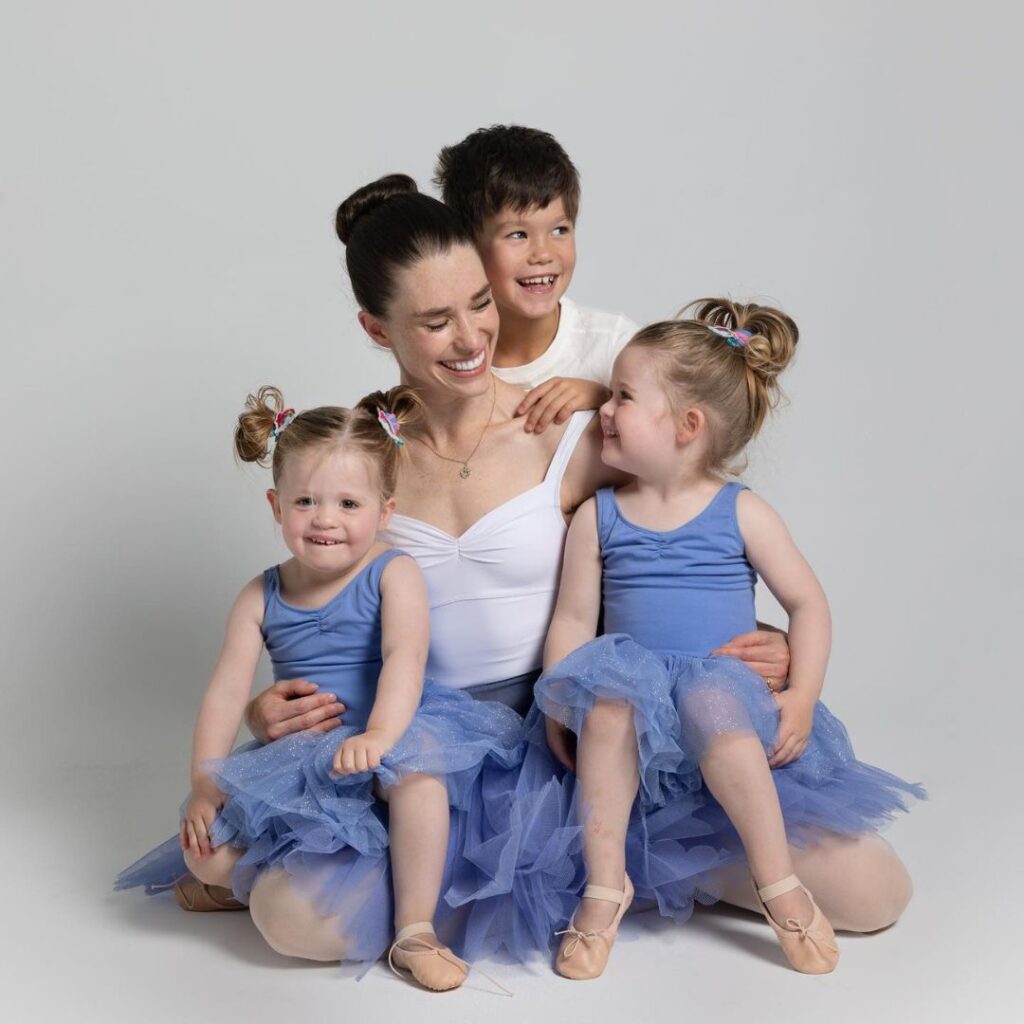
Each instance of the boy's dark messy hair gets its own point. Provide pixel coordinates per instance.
(506, 165)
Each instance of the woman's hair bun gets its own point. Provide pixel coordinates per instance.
(367, 199)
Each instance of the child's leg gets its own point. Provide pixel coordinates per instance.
(736, 771)
(418, 830)
(216, 868)
(606, 767)
(418, 836)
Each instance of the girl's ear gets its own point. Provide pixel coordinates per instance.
(690, 425)
(386, 511)
(275, 503)
(374, 327)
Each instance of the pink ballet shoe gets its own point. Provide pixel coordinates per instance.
(810, 949)
(434, 967)
(584, 955)
(197, 897)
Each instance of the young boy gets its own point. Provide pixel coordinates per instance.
(519, 192)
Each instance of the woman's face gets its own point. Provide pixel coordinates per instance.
(442, 324)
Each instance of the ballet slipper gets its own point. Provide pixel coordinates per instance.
(193, 895)
(584, 955)
(811, 948)
(434, 967)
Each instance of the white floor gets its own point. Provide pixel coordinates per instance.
(72, 950)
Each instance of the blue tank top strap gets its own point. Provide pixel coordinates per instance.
(578, 423)
(607, 513)
(271, 585)
(380, 563)
(723, 507)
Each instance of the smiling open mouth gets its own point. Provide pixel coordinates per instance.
(324, 541)
(466, 365)
(539, 283)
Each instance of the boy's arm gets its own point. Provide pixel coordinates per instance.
(405, 640)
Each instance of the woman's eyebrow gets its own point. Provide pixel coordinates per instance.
(429, 314)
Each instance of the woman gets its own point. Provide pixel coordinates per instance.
(483, 506)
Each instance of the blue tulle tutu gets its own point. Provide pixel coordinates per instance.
(678, 832)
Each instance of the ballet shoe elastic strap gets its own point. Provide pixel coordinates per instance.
(602, 892)
(787, 884)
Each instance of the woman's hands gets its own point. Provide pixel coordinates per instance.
(796, 718)
(292, 705)
(764, 651)
(560, 742)
(362, 753)
(200, 811)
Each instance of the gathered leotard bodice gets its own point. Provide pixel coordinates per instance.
(687, 590)
(492, 589)
(336, 646)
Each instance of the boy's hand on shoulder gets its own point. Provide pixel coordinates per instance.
(796, 718)
(362, 753)
(557, 399)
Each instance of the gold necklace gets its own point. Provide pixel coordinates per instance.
(466, 471)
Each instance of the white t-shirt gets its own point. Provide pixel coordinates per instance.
(584, 346)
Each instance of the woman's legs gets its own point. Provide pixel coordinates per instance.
(290, 923)
(216, 868)
(858, 881)
(606, 767)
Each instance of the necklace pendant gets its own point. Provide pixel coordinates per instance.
(464, 472)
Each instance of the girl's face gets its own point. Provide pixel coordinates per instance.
(442, 324)
(640, 427)
(329, 506)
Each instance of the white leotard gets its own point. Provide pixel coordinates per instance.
(492, 589)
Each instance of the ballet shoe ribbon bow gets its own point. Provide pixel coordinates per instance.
(793, 925)
(577, 937)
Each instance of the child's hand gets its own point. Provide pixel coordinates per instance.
(200, 811)
(557, 399)
(560, 743)
(796, 716)
(362, 753)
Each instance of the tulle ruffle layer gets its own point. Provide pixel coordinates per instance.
(678, 832)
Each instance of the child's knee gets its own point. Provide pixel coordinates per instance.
(289, 923)
(609, 720)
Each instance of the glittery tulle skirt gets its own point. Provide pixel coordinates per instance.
(678, 832)
(512, 861)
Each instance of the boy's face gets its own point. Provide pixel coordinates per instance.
(529, 257)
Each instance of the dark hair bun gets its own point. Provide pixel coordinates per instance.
(367, 199)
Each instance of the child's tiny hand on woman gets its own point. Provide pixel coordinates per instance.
(362, 753)
(200, 812)
(796, 717)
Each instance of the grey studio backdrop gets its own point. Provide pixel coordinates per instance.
(169, 178)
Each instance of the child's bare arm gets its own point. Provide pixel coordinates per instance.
(405, 640)
(576, 610)
(220, 713)
(557, 399)
(579, 591)
(789, 577)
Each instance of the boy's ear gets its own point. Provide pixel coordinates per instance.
(374, 327)
(275, 503)
(689, 425)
